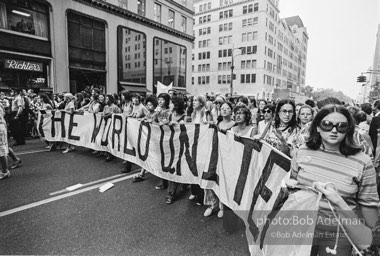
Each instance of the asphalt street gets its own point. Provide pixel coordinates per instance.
(39, 216)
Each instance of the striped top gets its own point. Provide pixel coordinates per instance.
(353, 176)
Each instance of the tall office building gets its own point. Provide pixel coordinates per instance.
(56, 46)
(243, 47)
(373, 75)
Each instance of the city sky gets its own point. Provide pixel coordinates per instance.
(342, 38)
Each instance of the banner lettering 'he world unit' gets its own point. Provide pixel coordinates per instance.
(246, 174)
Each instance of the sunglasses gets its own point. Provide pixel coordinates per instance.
(284, 111)
(267, 111)
(327, 126)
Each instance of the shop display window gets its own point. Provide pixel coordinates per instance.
(25, 16)
(132, 49)
(169, 63)
(16, 73)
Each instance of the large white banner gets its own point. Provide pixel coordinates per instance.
(246, 174)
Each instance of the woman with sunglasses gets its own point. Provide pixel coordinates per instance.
(268, 111)
(281, 133)
(335, 164)
(226, 124)
(216, 113)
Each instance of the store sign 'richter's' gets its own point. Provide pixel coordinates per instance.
(23, 65)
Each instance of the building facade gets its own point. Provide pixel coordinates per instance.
(373, 75)
(60, 46)
(243, 47)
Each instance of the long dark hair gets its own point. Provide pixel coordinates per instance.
(45, 99)
(246, 111)
(348, 146)
(166, 98)
(293, 122)
(190, 109)
(179, 105)
(127, 96)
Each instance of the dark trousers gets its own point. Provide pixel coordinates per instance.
(17, 128)
(172, 187)
(198, 192)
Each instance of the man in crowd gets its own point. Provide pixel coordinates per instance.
(375, 124)
(18, 119)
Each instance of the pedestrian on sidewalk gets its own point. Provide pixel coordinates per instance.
(3, 146)
(18, 120)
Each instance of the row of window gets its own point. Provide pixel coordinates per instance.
(204, 67)
(225, 40)
(204, 43)
(224, 79)
(204, 31)
(245, 64)
(203, 55)
(248, 78)
(225, 2)
(137, 47)
(245, 79)
(226, 14)
(136, 64)
(205, 7)
(224, 65)
(171, 18)
(140, 6)
(250, 22)
(204, 19)
(225, 27)
(250, 8)
(249, 36)
(203, 79)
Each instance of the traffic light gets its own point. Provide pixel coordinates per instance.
(361, 79)
(233, 76)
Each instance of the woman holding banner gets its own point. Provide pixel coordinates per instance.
(199, 116)
(281, 134)
(69, 108)
(346, 177)
(231, 222)
(150, 104)
(177, 116)
(210, 197)
(162, 118)
(268, 111)
(126, 102)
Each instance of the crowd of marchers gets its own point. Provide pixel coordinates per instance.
(334, 147)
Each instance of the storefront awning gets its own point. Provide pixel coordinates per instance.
(181, 90)
(135, 88)
(88, 69)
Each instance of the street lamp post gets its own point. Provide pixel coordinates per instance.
(233, 67)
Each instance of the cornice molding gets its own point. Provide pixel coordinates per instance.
(181, 7)
(115, 10)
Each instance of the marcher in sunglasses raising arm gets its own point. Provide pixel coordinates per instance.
(331, 156)
(268, 111)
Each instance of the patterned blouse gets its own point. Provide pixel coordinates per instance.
(289, 134)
